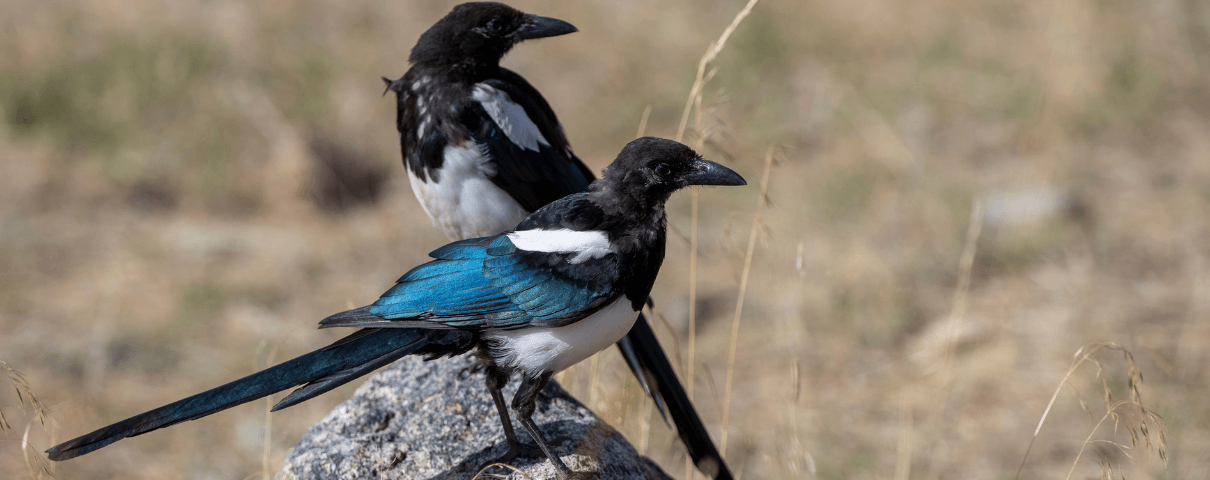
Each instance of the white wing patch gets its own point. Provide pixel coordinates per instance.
(510, 117)
(548, 350)
(585, 245)
(465, 203)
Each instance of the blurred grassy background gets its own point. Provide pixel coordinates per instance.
(186, 186)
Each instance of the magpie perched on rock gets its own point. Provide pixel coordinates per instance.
(567, 282)
(483, 150)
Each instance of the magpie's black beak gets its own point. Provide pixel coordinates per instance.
(542, 27)
(705, 172)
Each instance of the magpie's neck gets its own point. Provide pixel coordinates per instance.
(641, 239)
(617, 202)
(639, 225)
(469, 71)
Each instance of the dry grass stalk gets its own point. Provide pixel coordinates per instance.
(25, 394)
(798, 458)
(1079, 360)
(695, 100)
(958, 310)
(594, 373)
(643, 122)
(25, 453)
(966, 262)
(1130, 413)
(645, 427)
(695, 93)
(627, 400)
(27, 401)
(663, 321)
(1104, 461)
(483, 473)
(567, 377)
(709, 375)
(743, 290)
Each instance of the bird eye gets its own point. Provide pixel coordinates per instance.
(663, 170)
(494, 26)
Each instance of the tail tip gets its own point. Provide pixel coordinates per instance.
(345, 317)
(59, 453)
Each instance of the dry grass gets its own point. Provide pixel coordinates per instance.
(483, 472)
(28, 404)
(761, 200)
(161, 216)
(1130, 415)
(694, 104)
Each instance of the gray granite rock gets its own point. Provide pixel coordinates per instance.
(435, 420)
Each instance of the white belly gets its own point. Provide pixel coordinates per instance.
(465, 203)
(550, 350)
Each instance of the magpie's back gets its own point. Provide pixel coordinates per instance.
(481, 156)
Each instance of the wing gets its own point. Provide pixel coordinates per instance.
(486, 283)
(522, 93)
(532, 159)
(512, 124)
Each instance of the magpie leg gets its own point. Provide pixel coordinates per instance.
(524, 402)
(496, 379)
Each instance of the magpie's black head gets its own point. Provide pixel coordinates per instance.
(480, 33)
(649, 169)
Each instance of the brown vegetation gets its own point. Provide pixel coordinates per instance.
(969, 193)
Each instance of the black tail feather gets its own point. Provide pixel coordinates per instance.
(326, 365)
(436, 343)
(318, 387)
(357, 317)
(644, 376)
(649, 359)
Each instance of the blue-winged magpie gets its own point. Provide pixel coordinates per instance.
(567, 282)
(483, 149)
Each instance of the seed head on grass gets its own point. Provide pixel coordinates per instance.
(27, 402)
(25, 395)
(1130, 415)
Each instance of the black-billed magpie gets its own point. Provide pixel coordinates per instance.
(567, 282)
(483, 149)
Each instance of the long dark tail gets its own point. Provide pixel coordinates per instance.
(321, 370)
(647, 361)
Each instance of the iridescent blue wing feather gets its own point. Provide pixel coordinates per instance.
(486, 283)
